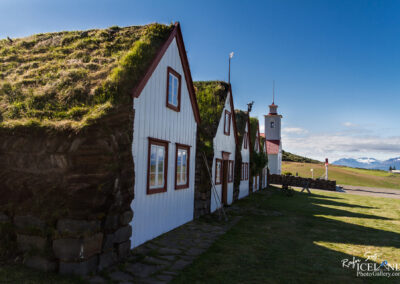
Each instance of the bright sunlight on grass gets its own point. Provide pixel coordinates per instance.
(301, 239)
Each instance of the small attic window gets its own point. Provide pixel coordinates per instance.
(245, 140)
(173, 89)
(272, 124)
(227, 123)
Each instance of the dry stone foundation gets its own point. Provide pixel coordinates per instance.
(300, 182)
(65, 196)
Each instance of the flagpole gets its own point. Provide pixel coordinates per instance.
(229, 72)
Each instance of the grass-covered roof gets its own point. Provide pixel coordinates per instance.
(241, 119)
(69, 79)
(253, 130)
(211, 97)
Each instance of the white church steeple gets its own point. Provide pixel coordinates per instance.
(272, 124)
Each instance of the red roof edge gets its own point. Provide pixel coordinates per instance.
(176, 33)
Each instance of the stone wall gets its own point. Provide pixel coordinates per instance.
(300, 182)
(202, 186)
(65, 196)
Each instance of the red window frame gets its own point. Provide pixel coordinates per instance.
(220, 174)
(176, 74)
(158, 142)
(187, 148)
(230, 169)
(229, 126)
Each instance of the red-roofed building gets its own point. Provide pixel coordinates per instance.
(273, 143)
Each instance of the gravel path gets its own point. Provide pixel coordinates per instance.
(372, 191)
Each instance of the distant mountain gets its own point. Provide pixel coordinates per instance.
(369, 163)
(286, 156)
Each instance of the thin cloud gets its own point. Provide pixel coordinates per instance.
(294, 130)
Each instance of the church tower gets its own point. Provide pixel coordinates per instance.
(272, 128)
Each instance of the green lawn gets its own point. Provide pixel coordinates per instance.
(306, 244)
(281, 239)
(345, 175)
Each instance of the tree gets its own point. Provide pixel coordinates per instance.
(390, 168)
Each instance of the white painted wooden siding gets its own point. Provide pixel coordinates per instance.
(224, 143)
(158, 213)
(244, 184)
(273, 164)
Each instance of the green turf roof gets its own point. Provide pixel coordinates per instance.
(211, 97)
(241, 119)
(70, 79)
(253, 130)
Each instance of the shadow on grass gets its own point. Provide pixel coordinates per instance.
(290, 248)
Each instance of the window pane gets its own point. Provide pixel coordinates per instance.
(170, 89)
(184, 177)
(175, 91)
(184, 158)
(152, 179)
(160, 181)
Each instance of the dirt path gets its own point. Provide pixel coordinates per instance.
(372, 191)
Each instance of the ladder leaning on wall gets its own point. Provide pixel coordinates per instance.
(221, 211)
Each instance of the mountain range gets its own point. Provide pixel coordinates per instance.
(369, 163)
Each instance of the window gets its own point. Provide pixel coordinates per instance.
(245, 171)
(230, 171)
(245, 140)
(157, 166)
(218, 171)
(173, 89)
(272, 124)
(256, 146)
(227, 123)
(182, 166)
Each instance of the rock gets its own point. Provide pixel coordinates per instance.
(79, 268)
(165, 277)
(155, 261)
(78, 227)
(96, 280)
(126, 217)
(111, 222)
(121, 276)
(141, 270)
(75, 249)
(4, 219)
(180, 264)
(27, 223)
(40, 263)
(124, 249)
(108, 242)
(169, 251)
(107, 259)
(123, 234)
(27, 243)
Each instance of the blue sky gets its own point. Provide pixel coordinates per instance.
(336, 64)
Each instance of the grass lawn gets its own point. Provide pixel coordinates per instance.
(305, 244)
(345, 175)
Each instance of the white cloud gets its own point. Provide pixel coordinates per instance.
(294, 130)
(339, 145)
(349, 124)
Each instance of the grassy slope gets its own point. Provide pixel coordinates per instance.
(304, 245)
(345, 175)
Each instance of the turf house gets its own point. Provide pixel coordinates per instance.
(90, 152)
(243, 148)
(216, 146)
(255, 138)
